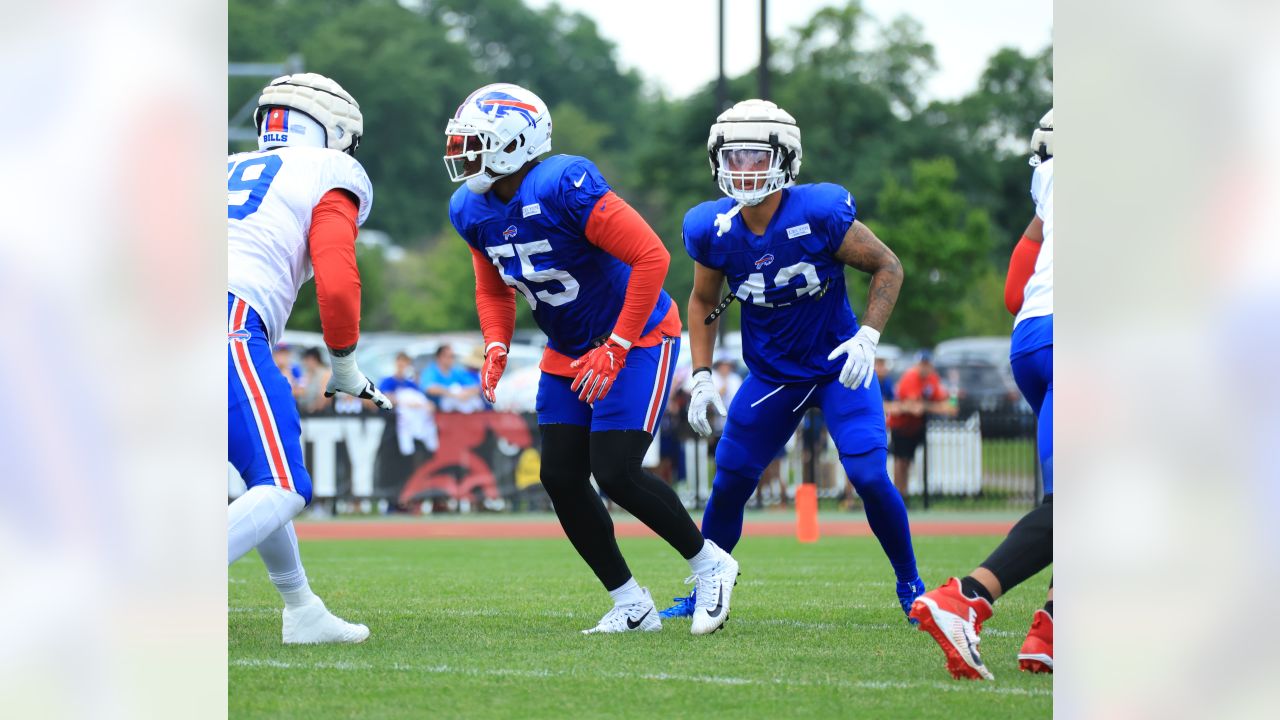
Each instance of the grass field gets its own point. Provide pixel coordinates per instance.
(489, 628)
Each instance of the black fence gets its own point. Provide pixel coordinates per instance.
(490, 461)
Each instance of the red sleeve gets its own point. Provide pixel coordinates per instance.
(495, 301)
(332, 243)
(616, 228)
(1021, 267)
(908, 387)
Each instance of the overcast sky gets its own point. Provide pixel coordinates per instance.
(673, 42)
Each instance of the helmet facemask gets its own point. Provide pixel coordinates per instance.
(750, 171)
(1042, 140)
(470, 152)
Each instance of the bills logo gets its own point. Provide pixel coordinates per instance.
(499, 104)
(240, 335)
(509, 232)
(764, 261)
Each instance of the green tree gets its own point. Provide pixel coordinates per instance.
(941, 241)
(945, 183)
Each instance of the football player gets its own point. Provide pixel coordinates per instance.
(293, 209)
(592, 271)
(783, 249)
(953, 614)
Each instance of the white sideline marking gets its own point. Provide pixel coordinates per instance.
(445, 612)
(661, 677)
(777, 622)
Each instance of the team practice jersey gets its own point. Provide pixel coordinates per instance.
(538, 244)
(1038, 295)
(795, 310)
(270, 198)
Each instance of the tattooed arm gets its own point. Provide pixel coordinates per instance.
(861, 249)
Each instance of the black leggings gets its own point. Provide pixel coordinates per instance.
(1027, 550)
(570, 455)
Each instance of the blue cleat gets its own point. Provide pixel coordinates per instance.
(683, 607)
(907, 594)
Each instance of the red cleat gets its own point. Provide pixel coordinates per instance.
(954, 621)
(1036, 654)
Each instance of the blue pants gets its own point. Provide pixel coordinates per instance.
(1032, 363)
(264, 432)
(761, 419)
(635, 402)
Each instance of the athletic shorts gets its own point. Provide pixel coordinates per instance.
(264, 432)
(763, 416)
(635, 402)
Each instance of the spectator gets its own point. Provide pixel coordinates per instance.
(403, 377)
(283, 357)
(415, 422)
(315, 376)
(471, 365)
(886, 382)
(450, 387)
(727, 381)
(919, 392)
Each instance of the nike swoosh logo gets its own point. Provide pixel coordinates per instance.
(579, 182)
(633, 624)
(719, 604)
(849, 200)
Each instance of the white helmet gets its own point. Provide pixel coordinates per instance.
(320, 98)
(754, 148)
(1042, 140)
(494, 132)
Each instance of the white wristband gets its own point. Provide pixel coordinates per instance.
(344, 367)
(491, 345)
(626, 344)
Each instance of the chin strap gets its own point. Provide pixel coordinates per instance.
(724, 221)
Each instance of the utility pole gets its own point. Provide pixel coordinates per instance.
(239, 127)
(764, 50)
(722, 89)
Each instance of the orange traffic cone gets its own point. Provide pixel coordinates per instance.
(807, 513)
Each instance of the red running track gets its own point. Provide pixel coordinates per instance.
(524, 530)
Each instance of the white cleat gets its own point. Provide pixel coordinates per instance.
(626, 618)
(313, 623)
(713, 591)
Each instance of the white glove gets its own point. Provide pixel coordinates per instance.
(859, 366)
(347, 378)
(704, 394)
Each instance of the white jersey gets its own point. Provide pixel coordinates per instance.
(270, 198)
(1037, 298)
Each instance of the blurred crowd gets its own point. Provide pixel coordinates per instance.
(446, 384)
(431, 382)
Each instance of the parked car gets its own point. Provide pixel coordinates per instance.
(976, 371)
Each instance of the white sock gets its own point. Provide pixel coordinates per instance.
(262, 510)
(628, 594)
(279, 552)
(705, 562)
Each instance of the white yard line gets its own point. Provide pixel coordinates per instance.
(658, 677)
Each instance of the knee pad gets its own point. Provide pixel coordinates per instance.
(737, 459)
(613, 473)
(565, 460)
(868, 471)
(616, 459)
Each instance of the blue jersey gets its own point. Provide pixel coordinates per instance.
(538, 243)
(795, 309)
